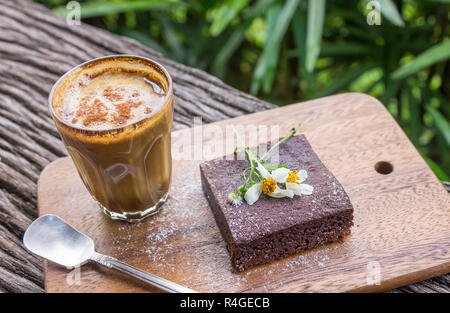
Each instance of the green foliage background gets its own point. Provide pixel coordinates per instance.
(293, 50)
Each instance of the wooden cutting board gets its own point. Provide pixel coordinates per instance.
(401, 233)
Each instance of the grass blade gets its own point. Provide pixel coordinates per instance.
(343, 81)
(316, 12)
(389, 11)
(415, 119)
(347, 49)
(435, 54)
(437, 170)
(299, 30)
(233, 42)
(93, 9)
(267, 56)
(278, 20)
(142, 38)
(171, 37)
(442, 125)
(225, 14)
(230, 46)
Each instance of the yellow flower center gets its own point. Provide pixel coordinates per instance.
(268, 185)
(292, 177)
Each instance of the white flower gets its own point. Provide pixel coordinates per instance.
(281, 174)
(267, 186)
(235, 199)
(294, 182)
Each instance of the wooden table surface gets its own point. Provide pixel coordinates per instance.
(36, 48)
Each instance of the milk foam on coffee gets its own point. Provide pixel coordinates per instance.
(109, 99)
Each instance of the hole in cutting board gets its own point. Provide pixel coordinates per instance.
(384, 167)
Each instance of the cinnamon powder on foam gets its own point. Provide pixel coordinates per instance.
(101, 105)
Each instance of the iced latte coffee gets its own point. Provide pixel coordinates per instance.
(114, 115)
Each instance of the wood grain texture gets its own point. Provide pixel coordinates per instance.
(401, 219)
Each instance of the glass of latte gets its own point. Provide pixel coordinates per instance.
(114, 115)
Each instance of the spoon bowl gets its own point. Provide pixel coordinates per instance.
(52, 238)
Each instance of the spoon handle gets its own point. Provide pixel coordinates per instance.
(151, 279)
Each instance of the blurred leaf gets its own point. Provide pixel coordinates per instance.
(343, 81)
(225, 14)
(171, 38)
(349, 48)
(268, 55)
(390, 89)
(415, 119)
(437, 170)
(299, 29)
(441, 123)
(221, 60)
(278, 20)
(256, 10)
(143, 38)
(435, 54)
(363, 34)
(316, 12)
(236, 38)
(389, 11)
(92, 9)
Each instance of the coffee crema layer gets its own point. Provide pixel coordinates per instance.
(100, 98)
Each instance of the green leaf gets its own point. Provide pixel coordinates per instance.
(256, 10)
(316, 12)
(390, 90)
(269, 56)
(441, 123)
(435, 54)
(93, 9)
(347, 49)
(437, 170)
(278, 20)
(299, 30)
(142, 38)
(225, 14)
(415, 121)
(389, 11)
(343, 81)
(229, 47)
(171, 37)
(236, 38)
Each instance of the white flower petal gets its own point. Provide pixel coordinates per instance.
(262, 170)
(295, 188)
(253, 193)
(281, 193)
(306, 189)
(302, 176)
(281, 174)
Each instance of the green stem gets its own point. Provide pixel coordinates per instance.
(250, 179)
(266, 155)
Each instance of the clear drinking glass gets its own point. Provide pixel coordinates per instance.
(127, 170)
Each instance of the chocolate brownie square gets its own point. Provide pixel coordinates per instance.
(275, 228)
